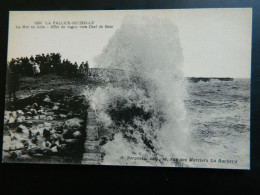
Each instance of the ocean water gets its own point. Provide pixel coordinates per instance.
(152, 115)
(218, 112)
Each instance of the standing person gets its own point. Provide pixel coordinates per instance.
(74, 68)
(12, 84)
(36, 69)
(86, 68)
(81, 68)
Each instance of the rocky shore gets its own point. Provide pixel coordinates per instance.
(48, 127)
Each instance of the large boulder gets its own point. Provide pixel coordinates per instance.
(21, 129)
(15, 154)
(46, 133)
(73, 124)
(62, 116)
(54, 149)
(20, 113)
(14, 114)
(42, 117)
(20, 119)
(11, 119)
(35, 105)
(47, 99)
(70, 141)
(33, 111)
(55, 137)
(41, 112)
(76, 134)
(55, 108)
(16, 145)
(49, 118)
(36, 117)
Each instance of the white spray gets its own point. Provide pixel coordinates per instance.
(148, 49)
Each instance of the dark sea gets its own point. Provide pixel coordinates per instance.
(218, 113)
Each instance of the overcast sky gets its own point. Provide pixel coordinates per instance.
(215, 42)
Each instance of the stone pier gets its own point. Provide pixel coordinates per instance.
(92, 155)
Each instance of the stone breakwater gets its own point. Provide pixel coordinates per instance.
(92, 154)
(45, 128)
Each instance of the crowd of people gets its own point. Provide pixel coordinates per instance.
(46, 64)
(41, 65)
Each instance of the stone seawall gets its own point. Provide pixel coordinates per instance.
(92, 153)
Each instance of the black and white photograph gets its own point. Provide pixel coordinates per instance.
(160, 88)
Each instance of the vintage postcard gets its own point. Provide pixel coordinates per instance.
(165, 88)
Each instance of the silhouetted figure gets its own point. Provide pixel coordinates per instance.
(36, 69)
(81, 68)
(12, 84)
(86, 68)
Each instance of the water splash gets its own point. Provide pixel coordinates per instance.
(151, 85)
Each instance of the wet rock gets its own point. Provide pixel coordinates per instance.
(14, 114)
(47, 144)
(47, 99)
(54, 149)
(27, 108)
(76, 134)
(24, 157)
(62, 147)
(37, 155)
(41, 112)
(70, 141)
(35, 105)
(29, 113)
(67, 134)
(20, 113)
(55, 137)
(57, 143)
(63, 116)
(33, 111)
(73, 123)
(25, 143)
(53, 131)
(7, 116)
(49, 118)
(6, 129)
(49, 113)
(46, 124)
(13, 145)
(35, 139)
(20, 119)
(15, 154)
(29, 122)
(55, 108)
(13, 137)
(11, 119)
(42, 117)
(30, 134)
(56, 104)
(7, 113)
(21, 129)
(37, 150)
(46, 133)
(59, 129)
(36, 117)
(70, 115)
